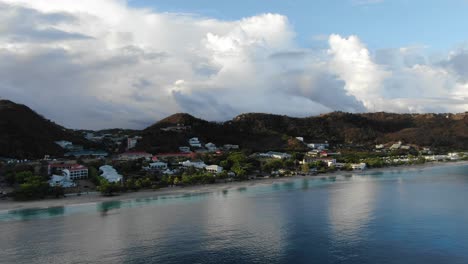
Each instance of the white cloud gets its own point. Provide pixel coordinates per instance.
(102, 64)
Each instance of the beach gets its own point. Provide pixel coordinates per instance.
(96, 197)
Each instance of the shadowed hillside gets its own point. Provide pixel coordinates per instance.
(260, 132)
(25, 134)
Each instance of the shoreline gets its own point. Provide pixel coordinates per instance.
(96, 197)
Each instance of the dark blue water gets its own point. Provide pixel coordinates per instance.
(401, 216)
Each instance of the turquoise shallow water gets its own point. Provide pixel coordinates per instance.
(399, 216)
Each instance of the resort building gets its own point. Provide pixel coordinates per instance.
(318, 145)
(110, 174)
(75, 171)
(211, 147)
(214, 169)
(275, 155)
(359, 166)
(195, 164)
(63, 181)
(158, 165)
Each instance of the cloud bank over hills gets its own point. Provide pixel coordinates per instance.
(97, 64)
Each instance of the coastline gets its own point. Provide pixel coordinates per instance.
(95, 197)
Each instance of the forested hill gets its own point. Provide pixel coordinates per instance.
(258, 132)
(26, 134)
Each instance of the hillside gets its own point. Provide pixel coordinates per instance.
(26, 134)
(260, 132)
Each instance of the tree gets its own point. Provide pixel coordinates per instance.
(305, 168)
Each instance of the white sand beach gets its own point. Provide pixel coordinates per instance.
(96, 197)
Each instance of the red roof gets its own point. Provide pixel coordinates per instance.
(60, 165)
(76, 167)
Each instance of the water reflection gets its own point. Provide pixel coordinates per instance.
(105, 207)
(351, 209)
(27, 214)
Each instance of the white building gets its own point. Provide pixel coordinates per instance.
(195, 164)
(158, 165)
(275, 155)
(131, 142)
(194, 142)
(211, 146)
(110, 174)
(453, 156)
(77, 172)
(300, 139)
(63, 181)
(214, 169)
(320, 146)
(396, 146)
(358, 166)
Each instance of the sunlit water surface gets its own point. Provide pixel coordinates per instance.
(399, 216)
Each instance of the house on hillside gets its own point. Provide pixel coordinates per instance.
(211, 147)
(158, 165)
(184, 149)
(195, 164)
(320, 146)
(194, 142)
(275, 155)
(214, 169)
(358, 166)
(396, 146)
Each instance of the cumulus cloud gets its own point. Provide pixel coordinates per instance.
(98, 64)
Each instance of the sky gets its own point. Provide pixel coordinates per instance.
(113, 63)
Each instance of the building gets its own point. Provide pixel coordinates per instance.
(318, 145)
(275, 155)
(184, 149)
(77, 172)
(300, 139)
(110, 174)
(230, 146)
(195, 164)
(214, 169)
(358, 166)
(131, 143)
(134, 155)
(396, 146)
(380, 146)
(61, 180)
(211, 147)
(158, 165)
(194, 142)
(330, 162)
